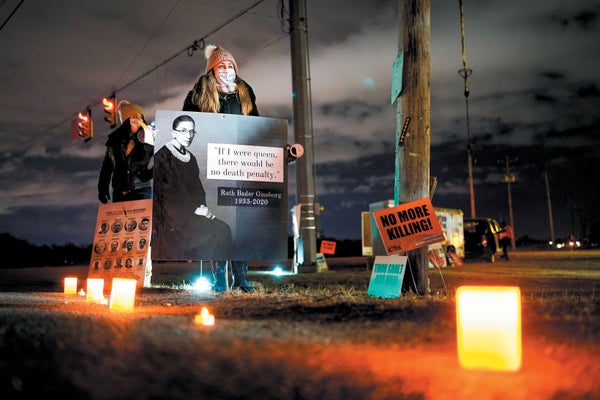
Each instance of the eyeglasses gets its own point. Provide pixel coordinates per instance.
(190, 132)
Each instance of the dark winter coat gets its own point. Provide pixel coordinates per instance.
(126, 174)
(230, 103)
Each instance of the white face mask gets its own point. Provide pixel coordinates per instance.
(226, 75)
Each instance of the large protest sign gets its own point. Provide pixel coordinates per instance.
(408, 226)
(121, 242)
(228, 184)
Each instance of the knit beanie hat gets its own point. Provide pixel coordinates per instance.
(128, 110)
(216, 54)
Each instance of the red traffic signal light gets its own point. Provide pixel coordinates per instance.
(86, 125)
(110, 108)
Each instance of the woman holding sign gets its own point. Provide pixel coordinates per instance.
(128, 161)
(221, 90)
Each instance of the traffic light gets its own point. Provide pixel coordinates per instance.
(110, 108)
(86, 125)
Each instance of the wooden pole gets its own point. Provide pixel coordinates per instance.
(509, 178)
(465, 72)
(413, 157)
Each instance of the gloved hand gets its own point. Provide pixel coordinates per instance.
(103, 197)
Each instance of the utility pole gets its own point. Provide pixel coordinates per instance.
(465, 72)
(572, 209)
(550, 217)
(509, 178)
(413, 106)
(303, 134)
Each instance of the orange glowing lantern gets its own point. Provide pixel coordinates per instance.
(205, 318)
(95, 290)
(70, 285)
(488, 322)
(122, 294)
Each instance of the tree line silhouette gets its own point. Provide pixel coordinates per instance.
(19, 253)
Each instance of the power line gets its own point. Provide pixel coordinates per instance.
(31, 139)
(148, 41)
(196, 45)
(11, 14)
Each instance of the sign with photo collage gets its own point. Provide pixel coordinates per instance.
(122, 241)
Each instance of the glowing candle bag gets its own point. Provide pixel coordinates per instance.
(122, 295)
(205, 318)
(488, 322)
(95, 290)
(70, 285)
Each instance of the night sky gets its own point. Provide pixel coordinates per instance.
(534, 98)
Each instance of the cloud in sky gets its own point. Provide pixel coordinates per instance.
(534, 98)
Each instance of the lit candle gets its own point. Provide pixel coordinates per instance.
(205, 318)
(95, 290)
(488, 322)
(122, 295)
(70, 285)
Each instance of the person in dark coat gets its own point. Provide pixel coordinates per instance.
(128, 161)
(506, 237)
(221, 90)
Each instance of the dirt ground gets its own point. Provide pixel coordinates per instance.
(306, 336)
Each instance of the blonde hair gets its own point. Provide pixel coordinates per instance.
(206, 96)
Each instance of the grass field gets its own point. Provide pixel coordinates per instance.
(306, 336)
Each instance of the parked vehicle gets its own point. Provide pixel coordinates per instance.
(452, 225)
(481, 238)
